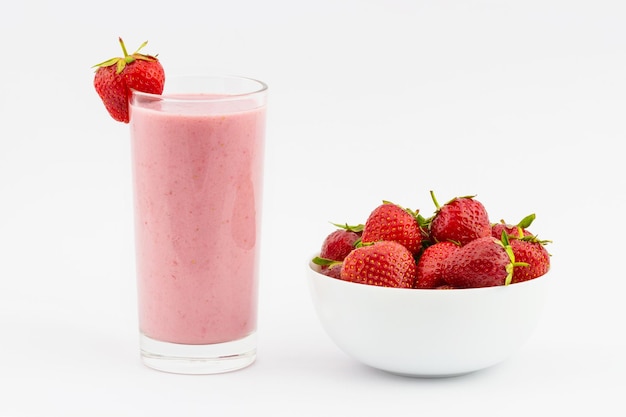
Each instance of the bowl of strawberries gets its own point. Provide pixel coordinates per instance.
(437, 296)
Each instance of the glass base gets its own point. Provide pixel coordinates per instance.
(198, 359)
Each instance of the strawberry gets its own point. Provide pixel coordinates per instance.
(518, 230)
(430, 264)
(460, 220)
(445, 287)
(389, 221)
(336, 246)
(531, 251)
(332, 270)
(483, 262)
(339, 244)
(116, 77)
(385, 263)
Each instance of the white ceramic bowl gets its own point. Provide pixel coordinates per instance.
(425, 332)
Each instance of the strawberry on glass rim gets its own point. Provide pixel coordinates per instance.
(116, 77)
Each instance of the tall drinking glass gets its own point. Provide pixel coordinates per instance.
(197, 158)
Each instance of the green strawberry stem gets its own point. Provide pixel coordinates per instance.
(504, 240)
(356, 228)
(127, 59)
(437, 206)
(535, 239)
(526, 221)
(432, 195)
(126, 52)
(324, 262)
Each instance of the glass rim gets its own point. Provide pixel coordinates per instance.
(175, 96)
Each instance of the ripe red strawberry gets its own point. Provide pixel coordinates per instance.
(389, 221)
(445, 287)
(116, 77)
(339, 244)
(517, 231)
(336, 246)
(384, 263)
(333, 270)
(460, 220)
(430, 264)
(531, 251)
(483, 262)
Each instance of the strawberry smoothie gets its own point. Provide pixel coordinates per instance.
(197, 166)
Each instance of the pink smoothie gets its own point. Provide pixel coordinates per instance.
(197, 180)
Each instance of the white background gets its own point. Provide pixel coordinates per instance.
(519, 102)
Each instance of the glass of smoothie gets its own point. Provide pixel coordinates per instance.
(197, 159)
